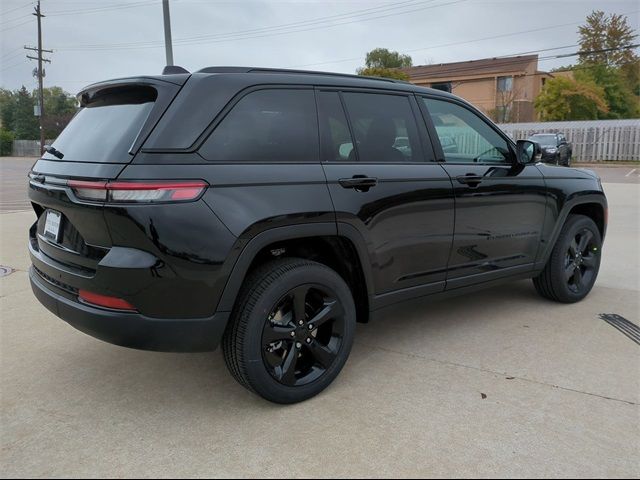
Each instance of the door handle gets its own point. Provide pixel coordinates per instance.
(358, 182)
(470, 179)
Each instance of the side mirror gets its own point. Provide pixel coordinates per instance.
(528, 152)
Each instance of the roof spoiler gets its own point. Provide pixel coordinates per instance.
(173, 70)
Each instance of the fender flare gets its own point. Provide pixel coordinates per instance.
(290, 232)
(598, 198)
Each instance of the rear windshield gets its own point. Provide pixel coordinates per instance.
(104, 129)
(544, 139)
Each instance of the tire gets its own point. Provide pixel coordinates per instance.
(265, 347)
(573, 266)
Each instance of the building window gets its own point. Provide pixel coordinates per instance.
(444, 86)
(505, 84)
(503, 114)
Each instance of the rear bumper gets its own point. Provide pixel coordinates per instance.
(133, 330)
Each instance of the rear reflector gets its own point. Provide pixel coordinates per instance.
(105, 301)
(138, 191)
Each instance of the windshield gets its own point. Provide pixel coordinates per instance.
(547, 140)
(106, 127)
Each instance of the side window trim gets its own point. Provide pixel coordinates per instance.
(428, 147)
(427, 119)
(349, 126)
(430, 128)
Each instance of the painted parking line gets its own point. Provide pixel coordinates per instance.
(633, 170)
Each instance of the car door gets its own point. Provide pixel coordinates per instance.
(384, 183)
(500, 204)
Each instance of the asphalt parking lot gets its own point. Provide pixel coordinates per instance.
(498, 383)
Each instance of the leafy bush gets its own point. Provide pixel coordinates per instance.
(6, 143)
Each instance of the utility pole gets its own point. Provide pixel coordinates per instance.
(168, 46)
(40, 73)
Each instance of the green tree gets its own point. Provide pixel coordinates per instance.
(381, 62)
(616, 71)
(17, 115)
(384, 58)
(383, 72)
(7, 104)
(620, 99)
(564, 98)
(6, 142)
(59, 108)
(25, 123)
(602, 32)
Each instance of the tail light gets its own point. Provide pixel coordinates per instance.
(138, 191)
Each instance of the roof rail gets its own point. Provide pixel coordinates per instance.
(285, 70)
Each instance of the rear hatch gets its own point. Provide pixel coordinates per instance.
(114, 119)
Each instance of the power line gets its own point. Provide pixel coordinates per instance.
(277, 27)
(15, 26)
(110, 8)
(11, 53)
(11, 20)
(304, 23)
(234, 36)
(4, 12)
(451, 44)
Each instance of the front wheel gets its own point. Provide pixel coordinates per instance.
(574, 262)
(291, 331)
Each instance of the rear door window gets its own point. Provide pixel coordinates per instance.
(384, 127)
(271, 125)
(105, 128)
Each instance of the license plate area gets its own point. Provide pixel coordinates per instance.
(52, 224)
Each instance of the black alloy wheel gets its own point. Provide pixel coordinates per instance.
(303, 335)
(572, 267)
(581, 261)
(291, 330)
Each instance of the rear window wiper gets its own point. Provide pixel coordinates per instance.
(53, 151)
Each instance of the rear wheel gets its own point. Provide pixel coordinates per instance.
(574, 263)
(291, 331)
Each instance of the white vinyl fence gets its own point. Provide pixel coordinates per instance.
(593, 140)
(28, 148)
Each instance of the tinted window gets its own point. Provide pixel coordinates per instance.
(274, 125)
(544, 139)
(104, 129)
(335, 139)
(464, 136)
(384, 127)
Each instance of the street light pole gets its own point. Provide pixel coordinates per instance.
(167, 32)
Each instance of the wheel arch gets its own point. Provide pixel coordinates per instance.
(593, 206)
(342, 249)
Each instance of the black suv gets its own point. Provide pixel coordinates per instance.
(269, 210)
(554, 147)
